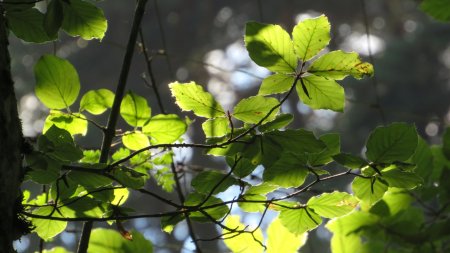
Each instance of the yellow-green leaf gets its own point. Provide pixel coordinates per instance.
(135, 140)
(280, 239)
(84, 19)
(338, 64)
(57, 82)
(97, 101)
(311, 36)
(240, 241)
(192, 97)
(270, 46)
(321, 93)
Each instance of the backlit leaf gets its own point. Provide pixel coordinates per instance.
(192, 97)
(311, 36)
(135, 110)
(270, 46)
(206, 181)
(97, 101)
(280, 239)
(254, 109)
(135, 140)
(242, 242)
(74, 123)
(322, 93)
(299, 220)
(107, 240)
(277, 83)
(396, 142)
(165, 128)
(338, 64)
(289, 171)
(57, 82)
(331, 205)
(47, 228)
(368, 190)
(82, 18)
(216, 127)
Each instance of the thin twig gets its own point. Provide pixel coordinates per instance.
(110, 130)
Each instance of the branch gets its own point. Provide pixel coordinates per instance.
(113, 116)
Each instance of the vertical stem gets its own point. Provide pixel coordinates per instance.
(181, 198)
(174, 170)
(113, 116)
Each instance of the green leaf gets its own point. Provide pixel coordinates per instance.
(280, 121)
(396, 142)
(53, 18)
(337, 65)
(192, 97)
(206, 181)
(438, 9)
(216, 127)
(91, 156)
(276, 143)
(280, 239)
(120, 154)
(75, 123)
(321, 93)
(135, 110)
(311, 36)
(164, 178)
(45, 169)
(270, 46)
(120, 196)
(46, 228)
(63, 189)
(250, 206)
(84, 207)
(262, 188)
(63, 147)
(299, 219)
(84, 19)
(277, 83)
(165, 128)
(242, 242)
(28, 25)
(345, 228)
(57, 82)
(135, 140)
(369, 190)
(107, 240)
(129, 177)
(350, 161)
(289, 171)
(17, 5)
(243, 168)
(402, 179)
(56, 250)
(331, 205)
(97, 101)
(333, 143)
(215, 213)
(89, 180)
(254, 109)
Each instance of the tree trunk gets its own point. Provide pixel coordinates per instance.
(10, 146)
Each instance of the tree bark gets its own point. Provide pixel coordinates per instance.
(10, 146)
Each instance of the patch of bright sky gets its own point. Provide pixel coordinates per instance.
(31, 112)
(22, 244)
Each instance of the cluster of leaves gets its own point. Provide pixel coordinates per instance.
(255, 133)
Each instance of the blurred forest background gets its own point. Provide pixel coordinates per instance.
(203, 41)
